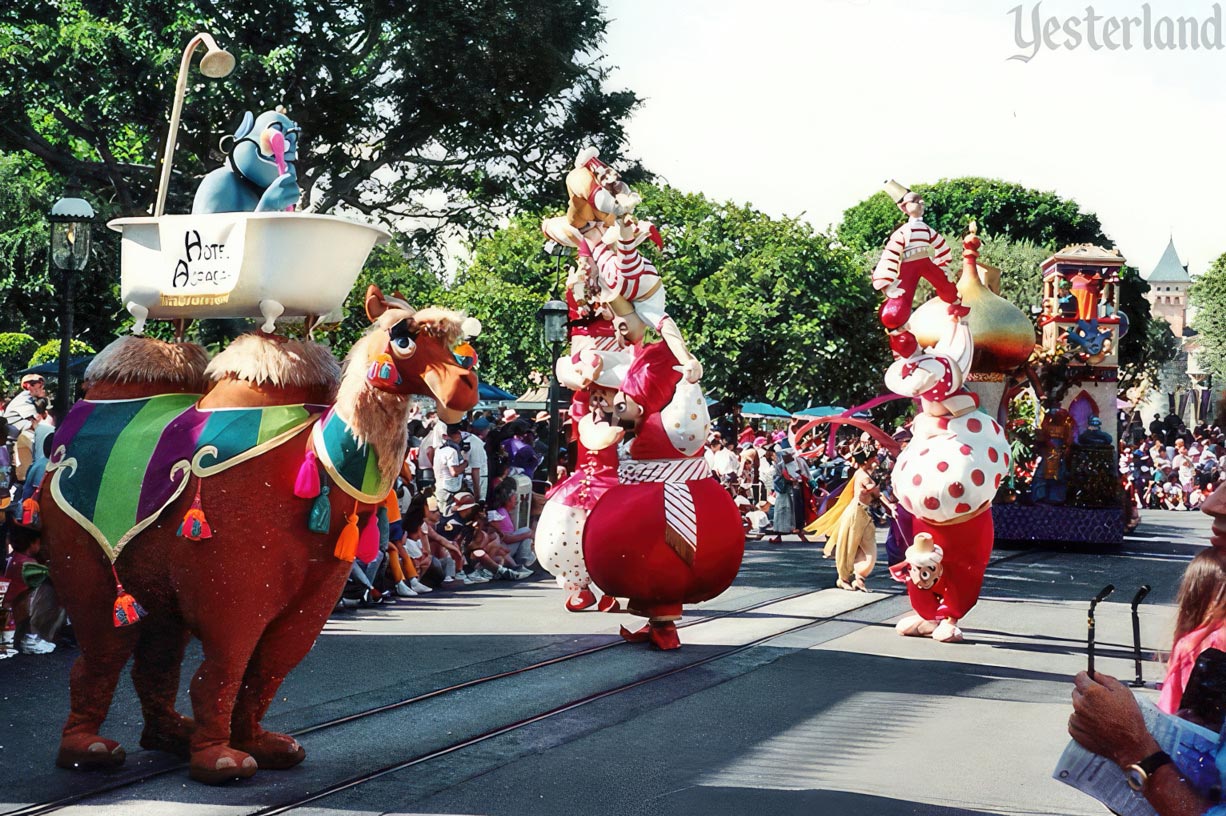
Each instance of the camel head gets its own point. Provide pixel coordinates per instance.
(409, 351)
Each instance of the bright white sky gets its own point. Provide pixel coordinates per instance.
(805, 106)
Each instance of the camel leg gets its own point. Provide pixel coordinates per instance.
(83, 580)
(228, 646)
(285, 643)
(104, 651)
(155, 674)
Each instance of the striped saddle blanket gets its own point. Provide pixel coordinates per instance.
(117, 464)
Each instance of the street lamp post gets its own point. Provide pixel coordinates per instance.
(71, 220)
(553, 316)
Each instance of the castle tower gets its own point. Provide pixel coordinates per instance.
(1168, 290)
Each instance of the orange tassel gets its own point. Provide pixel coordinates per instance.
(125, 611)
(31, 513)
(347, 543)
(195, 527)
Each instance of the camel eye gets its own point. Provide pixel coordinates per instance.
(403, 346)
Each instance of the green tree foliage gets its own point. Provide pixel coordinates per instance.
(1021, 278)
(15, 351)
(395, 272)
(445, 112)
(1150, 344)
(51, 351)
(772, 310)
(1208, 295)
(1003, 209)
(506, 281)
(29, 288)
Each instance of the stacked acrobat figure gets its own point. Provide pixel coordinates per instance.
(949, 473)
(641, 517)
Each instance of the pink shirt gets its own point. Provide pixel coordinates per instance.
(1183, 660)
(501, 520)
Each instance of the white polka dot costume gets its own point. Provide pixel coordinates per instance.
(559, 544)
(952, 466)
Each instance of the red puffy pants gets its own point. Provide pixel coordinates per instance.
(896, 311)
(967, 547)
(626, 555)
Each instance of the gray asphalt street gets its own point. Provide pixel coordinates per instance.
(789, 696)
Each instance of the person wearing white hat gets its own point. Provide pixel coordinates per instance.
(913, 251)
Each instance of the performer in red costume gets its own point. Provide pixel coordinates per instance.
(667, 534)
(914, 251)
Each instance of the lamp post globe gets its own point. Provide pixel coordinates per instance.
(553, 317)
(71, 220)
(71, 227)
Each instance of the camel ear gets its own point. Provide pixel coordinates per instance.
(375, 305)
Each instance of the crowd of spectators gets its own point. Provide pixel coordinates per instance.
(26, 427)
(1169, 466)
(462, 511)
(779, 488)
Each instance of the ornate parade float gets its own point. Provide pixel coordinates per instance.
(1075, 488)
(641, 517)
(181, 486)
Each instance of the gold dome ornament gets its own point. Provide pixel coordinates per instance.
(1003, 335)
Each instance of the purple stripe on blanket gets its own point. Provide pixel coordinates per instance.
(72, 423)
(178, 444)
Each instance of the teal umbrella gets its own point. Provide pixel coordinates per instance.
(820, 411)
(763, 409)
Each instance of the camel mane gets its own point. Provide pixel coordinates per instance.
(278, 361)
(138, 359)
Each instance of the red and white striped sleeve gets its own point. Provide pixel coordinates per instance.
(941, 253)
(891, 257)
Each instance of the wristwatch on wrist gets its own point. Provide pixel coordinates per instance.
(1138, 775)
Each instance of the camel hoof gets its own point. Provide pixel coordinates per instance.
(173, 738)
(273, 751)
(221, 764)
(664, 636)
(89, 752)
(583, 599)
(609, 604)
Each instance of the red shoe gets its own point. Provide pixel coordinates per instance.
(609, 604)
(641, 636)
(583, 599)
(664, 636)
(958, 310)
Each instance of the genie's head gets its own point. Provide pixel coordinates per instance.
(264, 147)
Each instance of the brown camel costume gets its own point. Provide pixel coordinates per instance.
(258, 592)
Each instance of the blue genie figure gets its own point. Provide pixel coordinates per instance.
(259, 174)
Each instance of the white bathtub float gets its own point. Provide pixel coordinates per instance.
(244, 264)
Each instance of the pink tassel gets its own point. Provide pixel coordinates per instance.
(368, 542)
(306, 486)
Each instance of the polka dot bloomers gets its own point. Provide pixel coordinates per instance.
(952, 466)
